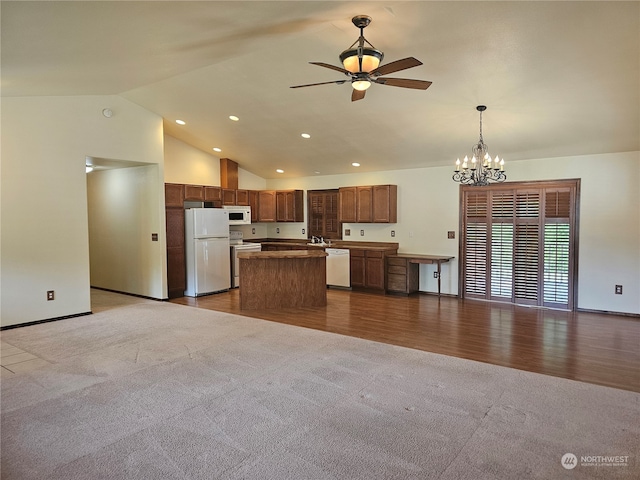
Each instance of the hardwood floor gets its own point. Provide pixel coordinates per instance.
(589, 347)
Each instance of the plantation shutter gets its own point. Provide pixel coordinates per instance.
(518, 243)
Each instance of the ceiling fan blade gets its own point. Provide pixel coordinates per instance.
(404, 83)
(396, 66)
(332, 67)
(337, 82)
(357, 95)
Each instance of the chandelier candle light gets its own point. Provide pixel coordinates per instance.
(483, 170)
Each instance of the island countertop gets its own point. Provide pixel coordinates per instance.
(282, 254)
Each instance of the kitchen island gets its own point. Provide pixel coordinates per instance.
(282, 279)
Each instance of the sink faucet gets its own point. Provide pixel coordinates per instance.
(314, 239)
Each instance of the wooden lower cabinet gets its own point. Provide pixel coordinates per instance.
(368, 268)
(402, 275)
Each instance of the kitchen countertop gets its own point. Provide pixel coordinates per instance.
(334, 244)
(281, 254)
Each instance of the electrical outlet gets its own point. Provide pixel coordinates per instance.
(347, 232)
(451, 234)
(253, 230)
(410, 233)
(277, 230)
(435, 274)
(362, 233)
(393, 233)
(154, 237)
(618, 289)
(50, 295)
(303, 231)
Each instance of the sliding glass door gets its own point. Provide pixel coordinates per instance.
(519, 243)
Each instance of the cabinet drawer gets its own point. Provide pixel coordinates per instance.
(397, 283)
(356, 253)
(374, 254)
(397, 269)
(396, 261)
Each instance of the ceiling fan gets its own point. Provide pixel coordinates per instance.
(362, 64)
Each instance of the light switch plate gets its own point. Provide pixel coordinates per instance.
(451, 234)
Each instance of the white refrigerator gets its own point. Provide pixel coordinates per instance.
(207, 251)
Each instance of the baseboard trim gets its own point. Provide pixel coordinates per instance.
(608, 312)
(131, 294)
(46, 320)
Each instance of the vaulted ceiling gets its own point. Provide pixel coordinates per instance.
(558, 78)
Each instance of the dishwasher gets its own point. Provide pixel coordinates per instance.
(338, 267)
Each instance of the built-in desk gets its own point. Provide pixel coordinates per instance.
(283, 279)
(403, 271)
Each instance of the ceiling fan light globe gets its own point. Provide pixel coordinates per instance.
(371, 59)
(360, 84)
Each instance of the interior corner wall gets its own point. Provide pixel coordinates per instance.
(44, 236)
(123, 217)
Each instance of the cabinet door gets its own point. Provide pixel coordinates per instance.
(266, 206)
(176, 270)
(297, 199)
(357, 262)
(228, 196)
(194, 193)
(374, 270)
(213, 194)
(364, 204)
(281, 207)
(173, 194)
(253, 203)
(385, 204)
(347, 204)
(242, 197)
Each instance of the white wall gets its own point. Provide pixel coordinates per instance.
(123, 215)
(189, 165)
(44, 237)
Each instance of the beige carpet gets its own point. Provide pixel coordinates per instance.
(150, 390)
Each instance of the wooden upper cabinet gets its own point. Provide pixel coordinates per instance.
(266, 206)
(242, 197)
(254, 204)
(385, 203)
(364, 204)
(347, 204)
(194, 193)
(173, 194)
(228, 196)
(213, 194)
(289, 206)
(368, 204)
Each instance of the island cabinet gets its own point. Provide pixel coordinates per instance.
(368, 268)
(289, 206)
(368, 204)
(266, 206)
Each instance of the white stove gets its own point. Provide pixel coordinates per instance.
(237, 244)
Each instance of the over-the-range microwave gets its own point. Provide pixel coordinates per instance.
(238, 214)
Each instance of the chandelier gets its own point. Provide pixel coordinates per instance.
(480, 170)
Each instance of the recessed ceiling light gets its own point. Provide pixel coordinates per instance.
(355, 164)
(316, 171)
(279, 170)
(305, 135)
(234, 118)
(216, 149)
(181, 122)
